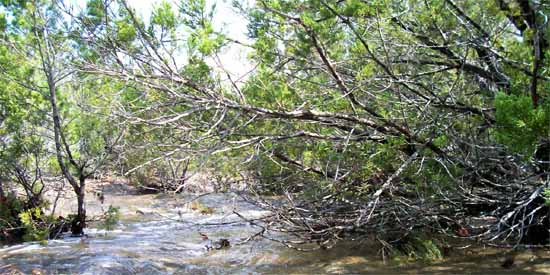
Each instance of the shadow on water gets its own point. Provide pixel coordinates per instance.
(160, 235)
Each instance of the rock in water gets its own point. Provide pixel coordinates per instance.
(508, 262)
(219, 244)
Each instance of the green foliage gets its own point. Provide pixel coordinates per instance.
(36, 229)
(95, 11)
(10, 207)
(111, 218)
(519, 125)
(357, 8)
(417, 248)
(205, 40)
(164, 16)
(3, 22)
(197, 70)
(197, 16)
(126, 32)
(546, 196)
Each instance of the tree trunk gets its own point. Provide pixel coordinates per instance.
(2, 194)
(62, 151)
(79, 222)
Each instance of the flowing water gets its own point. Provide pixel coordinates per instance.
(162, 235)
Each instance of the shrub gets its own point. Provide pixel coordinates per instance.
(10, 207)
(111, 218)
(35, 224)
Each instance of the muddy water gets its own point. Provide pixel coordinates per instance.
(160, 235)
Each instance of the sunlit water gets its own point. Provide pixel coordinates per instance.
(160, 235)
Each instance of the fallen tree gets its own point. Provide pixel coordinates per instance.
(369, 117)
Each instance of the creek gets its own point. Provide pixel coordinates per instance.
(165, 234)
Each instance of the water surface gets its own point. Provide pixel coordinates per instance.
(163, 234)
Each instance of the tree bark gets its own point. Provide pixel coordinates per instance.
(2, 194)
(79, 223)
